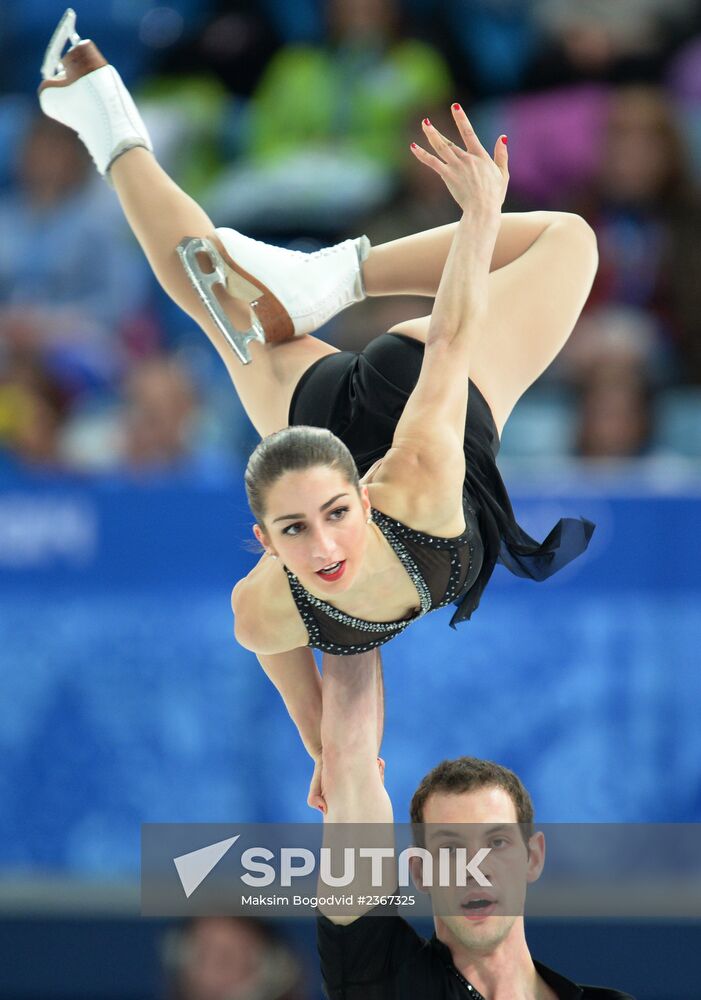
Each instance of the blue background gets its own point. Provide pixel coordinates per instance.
(124, 699)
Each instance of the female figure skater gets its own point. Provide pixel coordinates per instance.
(350, 562)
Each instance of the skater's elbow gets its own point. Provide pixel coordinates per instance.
(261, 633)
(246, 626)
(249, 633)
(245, 636)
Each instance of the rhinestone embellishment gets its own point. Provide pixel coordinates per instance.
(360, 623)
(394, 531)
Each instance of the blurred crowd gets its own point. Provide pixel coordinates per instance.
(231, 958)
(291, 121)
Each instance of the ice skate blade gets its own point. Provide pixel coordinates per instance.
(65, 32)
(232, 282)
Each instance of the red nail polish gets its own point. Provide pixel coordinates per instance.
(456, 107)
(426, 121)
(414, 146)
(505, 139)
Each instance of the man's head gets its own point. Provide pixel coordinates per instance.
(468, 774)
(474, 804)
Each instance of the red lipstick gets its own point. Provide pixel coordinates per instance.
(338, 571)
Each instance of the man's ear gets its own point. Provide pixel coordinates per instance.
(536, 856)
(416, 867)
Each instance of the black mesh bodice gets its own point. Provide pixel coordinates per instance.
(442, 570)
(360, 397)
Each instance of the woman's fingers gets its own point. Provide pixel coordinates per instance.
(470, 173)
(468, 134)
(501, 155)
(315, 798)
(447, 145)
(431, 161)
(442, 145)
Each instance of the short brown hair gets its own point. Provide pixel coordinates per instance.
(465, 775)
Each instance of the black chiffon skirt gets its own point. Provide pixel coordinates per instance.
(360, 398)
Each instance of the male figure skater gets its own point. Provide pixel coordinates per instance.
(481, 953)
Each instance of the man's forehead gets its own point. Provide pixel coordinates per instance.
(479, 805)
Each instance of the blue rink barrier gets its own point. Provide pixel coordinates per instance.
(120, 959)
(124, 698)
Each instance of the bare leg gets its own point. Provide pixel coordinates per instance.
(535, 296)
(161, 215)
(413, 265)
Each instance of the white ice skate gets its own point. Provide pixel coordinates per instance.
(291, 293)
(82, 91)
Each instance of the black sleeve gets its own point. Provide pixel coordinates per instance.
(369, 951)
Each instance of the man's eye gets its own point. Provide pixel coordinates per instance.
(496, 842)
(338, 513)
(293, 529)
(448, 848)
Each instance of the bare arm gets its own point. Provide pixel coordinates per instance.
(351, 732)
(351, 728)
(297, 678)
(413, 265)
(428, 441)
(277, 638)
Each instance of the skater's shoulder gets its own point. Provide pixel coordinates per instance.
(266, 620)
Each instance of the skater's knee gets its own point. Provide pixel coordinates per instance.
(577, 241)
(577, 229)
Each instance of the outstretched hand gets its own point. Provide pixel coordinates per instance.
(474, 178)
